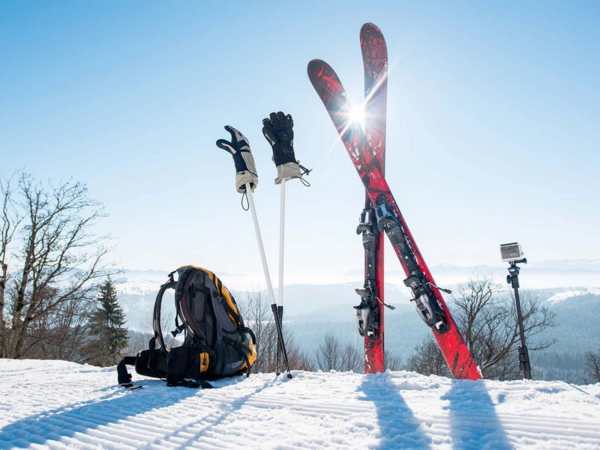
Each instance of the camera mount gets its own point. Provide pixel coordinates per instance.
(513, 254)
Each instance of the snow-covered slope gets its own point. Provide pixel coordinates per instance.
(571, 293)
(54, 404)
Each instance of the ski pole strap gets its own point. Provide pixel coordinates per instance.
(305, 171)
(245, 204)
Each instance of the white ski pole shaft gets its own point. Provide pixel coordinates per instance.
(268, 279)
(281, 243)
(281, 253)
(261, 247)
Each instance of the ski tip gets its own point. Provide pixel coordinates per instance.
(369, 26)
(315, 67)
(323, 78)
(314, 63)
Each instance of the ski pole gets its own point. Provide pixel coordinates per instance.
(281, 263)
(263, 258)
(246, 179)
(278, 130)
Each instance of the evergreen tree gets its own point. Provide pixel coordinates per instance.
(108, 336)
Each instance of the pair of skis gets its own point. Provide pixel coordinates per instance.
(382, 212)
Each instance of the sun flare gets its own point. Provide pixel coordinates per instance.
(357, 115)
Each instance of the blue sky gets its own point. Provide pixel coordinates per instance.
(493, 124)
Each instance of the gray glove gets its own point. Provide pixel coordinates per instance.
(239, 148)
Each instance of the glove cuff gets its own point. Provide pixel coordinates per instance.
(287, 171)
(241, 178)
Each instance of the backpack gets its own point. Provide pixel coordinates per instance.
(216, 342)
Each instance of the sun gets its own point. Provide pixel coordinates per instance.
(357, 115)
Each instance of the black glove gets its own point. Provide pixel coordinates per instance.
(239, 148)
(279, 131)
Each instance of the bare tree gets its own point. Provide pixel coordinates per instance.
(297, 358)
(487, 319)
(333, 355)
(51, 263)
(137, 342)
(257, 314)
(392, 362)
(60, 335)
(428, 359)
(484, 318)
(592, 364)
(10, 222)
(352, 359)
(329, 354)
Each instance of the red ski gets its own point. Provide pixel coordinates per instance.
(375, 63)
(428, 301)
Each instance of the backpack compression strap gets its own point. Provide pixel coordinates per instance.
(243, 351)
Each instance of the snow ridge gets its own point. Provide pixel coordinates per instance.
(562, 296)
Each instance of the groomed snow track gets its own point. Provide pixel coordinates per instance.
(54, 404)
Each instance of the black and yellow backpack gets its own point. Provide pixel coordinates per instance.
(216, 343)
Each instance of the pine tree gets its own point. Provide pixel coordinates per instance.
(106, 327)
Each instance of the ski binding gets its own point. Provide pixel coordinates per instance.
(429, 310)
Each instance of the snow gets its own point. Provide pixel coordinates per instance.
(562, 296)
(56, 404)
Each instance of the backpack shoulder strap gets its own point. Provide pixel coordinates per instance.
(185, 293)
(157, 311)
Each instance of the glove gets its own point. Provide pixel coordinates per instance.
(239, 148)
(279, 132)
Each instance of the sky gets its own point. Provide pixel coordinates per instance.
(493, 125)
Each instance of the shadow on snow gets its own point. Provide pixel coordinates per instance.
(214, 420)
(398, 425)
(474, 423)
(69, 420)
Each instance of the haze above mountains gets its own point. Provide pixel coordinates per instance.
(536, 275)
(570, 288)
(309, 302)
